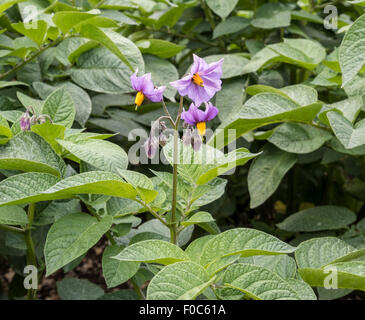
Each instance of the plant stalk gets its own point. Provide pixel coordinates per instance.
(31, 256)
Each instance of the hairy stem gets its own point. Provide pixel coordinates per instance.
(31, 256)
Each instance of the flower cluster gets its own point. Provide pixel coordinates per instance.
(200, 85)
(26, 121)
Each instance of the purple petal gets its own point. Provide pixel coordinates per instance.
(210, 112)
(213, 69)
(156, 95)
(188, 117)
(182, 85)
(143, 83)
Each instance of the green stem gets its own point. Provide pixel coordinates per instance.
(173, 227)
(31, 256)
(11, 228)
(137, 289)
(31, 58)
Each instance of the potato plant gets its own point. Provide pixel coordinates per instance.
(213, 150)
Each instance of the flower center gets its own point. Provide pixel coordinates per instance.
(139, 99)
(201, 126)
(198, 80)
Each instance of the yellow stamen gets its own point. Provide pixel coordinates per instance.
(201, 126)
(139, 99)
(198, 80)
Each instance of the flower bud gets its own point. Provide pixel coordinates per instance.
(151, 147)
(187, 137)
(163, 139)
(25, 121)
(196, 141)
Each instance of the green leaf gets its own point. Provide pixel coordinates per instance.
(301, 52)
(23, 188)
(283, 265)
(230, 25)
(78, 289)
(35, 187)
(298, 93)
(204, 165)
(349, 275)
(266, 173)
(318, 219)
(271, 15)
(197, 218)
(258, 283)
(101, 71)
(222, 8)
(351, 54)
(117, 272)
(29, 152)
(50, 132)
(101, 154)
(36, 34)
(67, 20)
(152, 251)
(349, 108)
(230, 99)
(179, 281)
(93, 182)
(161, 48)
(263, 109)
(350, 137)
(141, 183)
(80, 98)
(13, 215)
(299, 137)
(60, 107)
(232, 66)
(321, 252)
(70, 237)
(243, 241)
(109, 40)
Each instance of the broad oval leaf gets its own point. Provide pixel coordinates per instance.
(179, 281)
(351, 52)
(243, 241)
(60, 107)
(117, 272)
(318, 219)
(299, 137)
(152, 251)
(27, 151)
(349, 275)
(101, 154)
(258, 283)
(266, 173)
(13, 215)
(70, 237)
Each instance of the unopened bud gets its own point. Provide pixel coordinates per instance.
(25, 121)
(196, 141)
(151, 147)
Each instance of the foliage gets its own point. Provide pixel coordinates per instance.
(71, 155)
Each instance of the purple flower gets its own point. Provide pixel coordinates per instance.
(202, 82)
(25, 121)
(145, 88)
(196, 117)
